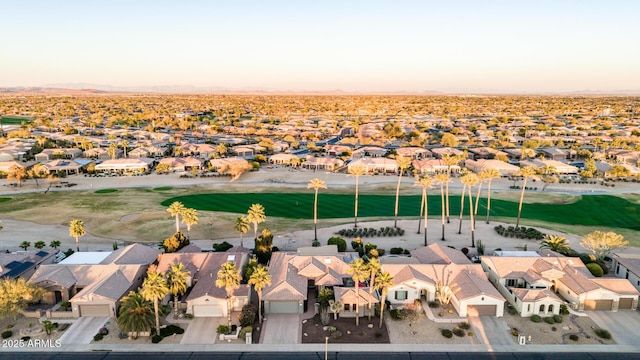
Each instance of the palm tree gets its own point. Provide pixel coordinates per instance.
(526, 173)
(555, 243)
(25, 245)
(359, 272)
(155, 288)
(490, 174)
(39, 244)
(256, 216)
(228, 278)
(176, 209)
(443, 179)
(449, 160)
(403, 164)
(470, 180)
(135, 314)
(55, 244)
(464, 189)
(316, 184)
(383, 282)
(426, 182)
(177, 281)
(374, 268)
(357, 171)
(125, 145)
(190, 217)
(76, 230)
(259, 278)
(241, 226)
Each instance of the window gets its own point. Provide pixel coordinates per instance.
(402, 295)
(550, 309)
(346, 307)
(528, 307)
(542, 308)
(512, 282)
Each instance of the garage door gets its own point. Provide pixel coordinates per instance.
(598, 304)
(94, 310)
(625, 303)
(481, 310)
(283, 307)
(207, 311)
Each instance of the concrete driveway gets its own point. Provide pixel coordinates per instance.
(491, 330)
(202, 330)
(281, 329)
(83, 330)
(623, 325)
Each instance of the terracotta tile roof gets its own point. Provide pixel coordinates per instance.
(348, 295)
(206, 280)
(468, 283)
(438, 254)
(286, 284)
(532, 295)
(618, 286)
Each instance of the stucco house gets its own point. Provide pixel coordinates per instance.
(183, 164)
(552, 280)
(22, 264)
(505, 169)
(372, 165)
(322, 163)
(626, 265)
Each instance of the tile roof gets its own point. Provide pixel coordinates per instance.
(348, 295)
(532, 295)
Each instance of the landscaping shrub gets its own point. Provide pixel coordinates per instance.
(316, 243)
(564, 310)
(406, 252)
(603, 266)
(587, 258)
(557, 319)
(223, 329)
(573, 337)
(248, 315)
(519, 233)
(536, 318)
(156, 339)
(336, 334)
(221, 247)
(395, 314)
(98, 337)
(446, 333)
(434, 304)
(7, 334)
(103, 331)
(549, 320)
(188, 316)
(396, 250)
(338, 241)
(458, 332)
(170, 330)
(605, 334)
(244, 331)
(595, 269)
(464, 325)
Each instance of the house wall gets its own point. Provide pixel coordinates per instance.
(363, 310)
(97, 300)
(208, 300)
(529, 308)
(461, 305)
(622, 272)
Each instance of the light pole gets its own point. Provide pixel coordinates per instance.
(326, 348)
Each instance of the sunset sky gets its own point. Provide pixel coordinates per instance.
(447, 46)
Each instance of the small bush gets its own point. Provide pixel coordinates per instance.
(10, 326)
(564, 310)
(170, 330)
(316, 243)
(605, 334)
(458, 332)
(98, 337)
(464, 325)
(557, 319)
(188, 316)
(248, 315)
(573, 337)
(156, 339)
(339, 242)
(595, 269)
(446, 333)
(553, 328)
(549, 320)
(224, 246)
(434, 304)
(395, 314)
(223, 329)
(536, 318)
(244, 331)
(336, 334)
(396, 250)
(515, 332)
(7, 334)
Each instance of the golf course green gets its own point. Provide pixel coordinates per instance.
(590, 210)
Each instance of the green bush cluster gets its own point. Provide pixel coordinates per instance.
(573, 337)
(595, 269)
(549, 320)
(156, 339)
(557, 319)
(446, 333)
(371, 232)
(399, 251)
(339, 242)
(248, 315)
(244, 331)
(170, 330)
(536, 318)
(223, 329)
(458, 332)
(7, 334)
(464, 325)
(605, 334)
(221, 247)
(519, 233)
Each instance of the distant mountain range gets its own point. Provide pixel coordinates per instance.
(98, 89)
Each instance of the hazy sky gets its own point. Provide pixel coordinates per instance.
(508, 46)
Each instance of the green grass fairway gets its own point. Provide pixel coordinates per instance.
(163, 188)
(15, 120)
(106, 191)
(594, 210)
(4, 199)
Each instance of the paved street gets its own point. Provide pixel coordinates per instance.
(491, 330)
(83, 330)
(623, 325)
(202, 330)
(281, 329)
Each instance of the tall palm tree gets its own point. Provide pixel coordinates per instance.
(470, 180)
(176, 209)
(125, 146)
(374, 268)
(135, 314)
(450, 161)
(241, 226)
(383, 282)
(76, 230)
(490, 174)
(403, 164)
(190, 217)
(177, 281)
(443, 179)
(155, 288)
(256, 216)
(359, 272)
(260, 279)
(464, 189)
(228, 278)
(357, 171)
(316, 184)
(426, 182)
(526, 172)
(482, 177)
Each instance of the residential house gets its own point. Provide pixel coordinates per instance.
(484, 153)
(558, 154)
(69, 167)
(100, 153)
(322, 163)
(52, 154)
(626, 265)
(282, 159)
(125, 166)
(369, 151)
(560, 167)
(505, 169)
(415, 153)
(22, 264)
(433, 166)
(202, 151)
(549, 281)
(375, 165)
(441, 151)
(220, 165)
(5, 166)
(183, 164)
(336, 150)
(94, 283)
